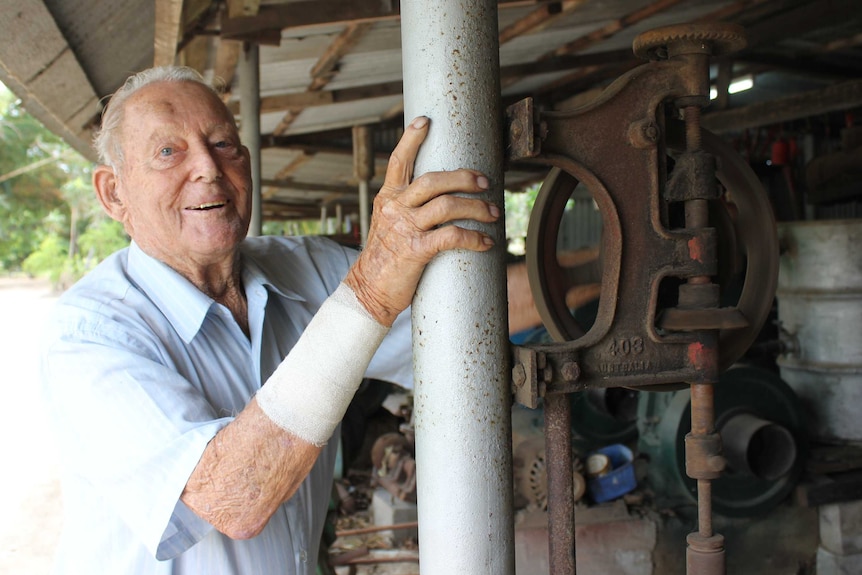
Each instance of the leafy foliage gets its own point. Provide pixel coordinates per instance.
(50, 220)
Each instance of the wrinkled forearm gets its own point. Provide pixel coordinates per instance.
(246, 472)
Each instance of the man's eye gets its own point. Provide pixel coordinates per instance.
(166, 152)
(222, 144)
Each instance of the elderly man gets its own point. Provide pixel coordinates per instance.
(195, 378)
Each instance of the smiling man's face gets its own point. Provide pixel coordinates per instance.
(184, 186)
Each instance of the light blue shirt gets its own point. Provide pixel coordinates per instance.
(141, 369)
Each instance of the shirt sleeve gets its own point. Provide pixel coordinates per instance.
(130, 426)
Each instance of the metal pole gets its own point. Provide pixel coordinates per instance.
(249, 107)
(561, 497)
(460, 342)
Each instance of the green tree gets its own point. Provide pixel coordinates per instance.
(47, 204)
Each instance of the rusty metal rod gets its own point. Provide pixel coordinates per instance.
(705, 553)
(561, 498)
(376, 528)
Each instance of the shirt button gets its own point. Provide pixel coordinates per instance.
(303, 555)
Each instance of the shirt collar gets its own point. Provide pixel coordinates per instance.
(182, 303)
(253, 274)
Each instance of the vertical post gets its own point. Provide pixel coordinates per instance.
(460, 342)
(363, 170)
(249, 107)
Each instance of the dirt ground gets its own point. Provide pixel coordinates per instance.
(30, 503)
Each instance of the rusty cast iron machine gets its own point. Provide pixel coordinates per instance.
(672, 198)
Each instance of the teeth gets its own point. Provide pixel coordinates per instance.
(208, 206)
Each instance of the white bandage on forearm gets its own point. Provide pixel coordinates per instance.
(310, 391)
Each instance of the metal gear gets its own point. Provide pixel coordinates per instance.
(722, 38)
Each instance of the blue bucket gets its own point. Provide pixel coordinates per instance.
(619, 480)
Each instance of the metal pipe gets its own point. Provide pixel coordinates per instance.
(758, 447)
(249, 107)
(461, 361)
(561, 499)
(705, 552)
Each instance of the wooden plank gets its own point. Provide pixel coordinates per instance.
(195, 53)
(322, 71)
(167, 36)
(63, 87)
(39, 67)
(227, 58)
(309, 186)
(539, 19)
(306, 13)
(31, 39)
(836, 98)
(295, 101)
(239, 8)
(605, 32)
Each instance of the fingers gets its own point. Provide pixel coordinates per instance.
(454, 237)
(407, 228)
(448, 208)
(400, 169)
(434, 184)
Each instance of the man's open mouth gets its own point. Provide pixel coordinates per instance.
(207, 206)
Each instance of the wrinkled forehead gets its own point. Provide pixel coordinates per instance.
(176, 102)
(172, 109)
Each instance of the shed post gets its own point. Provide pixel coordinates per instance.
(463, 394)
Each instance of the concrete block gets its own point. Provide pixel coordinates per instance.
(841, 528)
(829, 563)
(389, 510)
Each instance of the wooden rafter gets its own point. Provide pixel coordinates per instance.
(169, 15)
(310, 186)
(327, 64)
(287, 171)
(303, 13)
(539, 19)
(301, 100)
(613, 28)
(838, 97)
(308, 13)
(323, 70)
(227, 58)
(242, 8)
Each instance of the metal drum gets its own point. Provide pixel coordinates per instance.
(820, 310)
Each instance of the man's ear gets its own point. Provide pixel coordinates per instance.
(105, 183)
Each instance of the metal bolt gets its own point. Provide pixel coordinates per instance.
(519, 375)
(570, 371)
(651, 132)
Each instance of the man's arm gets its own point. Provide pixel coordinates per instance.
(248, 469)
(259, 460)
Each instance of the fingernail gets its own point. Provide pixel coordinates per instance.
(420, 122)
(482, 182)
(487, 241)
(494, 210)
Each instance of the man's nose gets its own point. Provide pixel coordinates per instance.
(205, 164)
